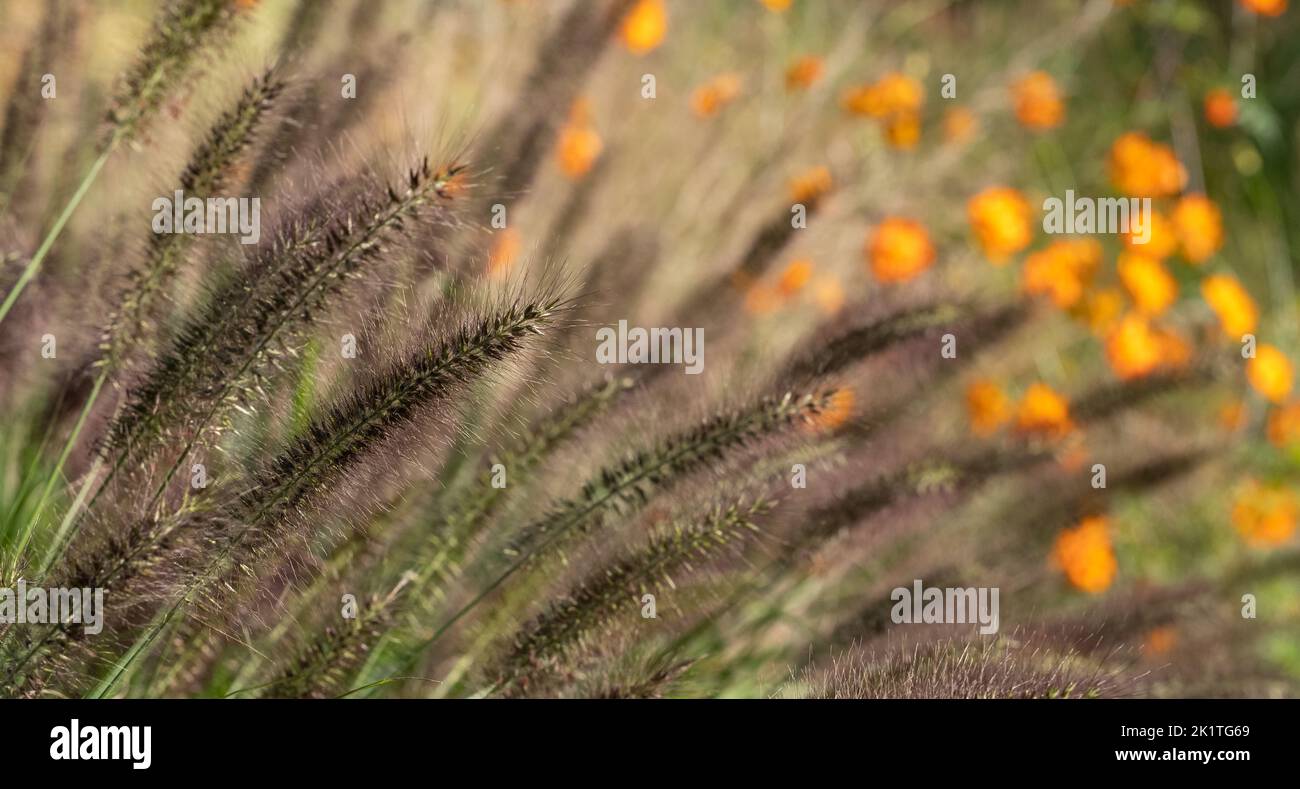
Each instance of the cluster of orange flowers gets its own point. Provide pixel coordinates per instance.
(1124, 312)
(798, 277)
(1042, 412)
(895, 101)
(716, 93)
(1141, 167)
(1084, 552)
(1135, 348)
(1265, 515)
(1064, 271)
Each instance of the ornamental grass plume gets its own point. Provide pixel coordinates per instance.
(211, 168)
(215, 360)
(183, 28)
(619, 349)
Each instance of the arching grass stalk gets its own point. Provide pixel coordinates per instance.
(341, 437)
(290, 282)
(631, 481)
(216, 353)
(181, 29)
(442, 553)
(571, 622)
(209, 168)
(451, 541)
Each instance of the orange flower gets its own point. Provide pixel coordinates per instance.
(803, 73)
(896, 93)
(761, 299)
(452, 181)
(1086, 556)
(1043, 412)
(1284, 425)
(776, 5)
(1101, 309)
(1062, 270)
(810, 186)
(1072, 456)
(838, 411)
(891, 95)
(1270, 373)
(1000, 217)
(578, 145)
(987, 407)
(1265, 515)
(858, 100)
(899, 249)
(1147, 281)
(828, 294)
(794, 277)
(1220, 108)
(1174, 350)
(1163, 241)
(1142, 168)
(644, 26)
(715, 94)
(959, 125)
(505, 248)
(1266, 7)
(1231, 303)
(1159, 641)
(1232, 415)
(903, 131)
(1132, 348)
(1038, 101)
(1199, 226)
